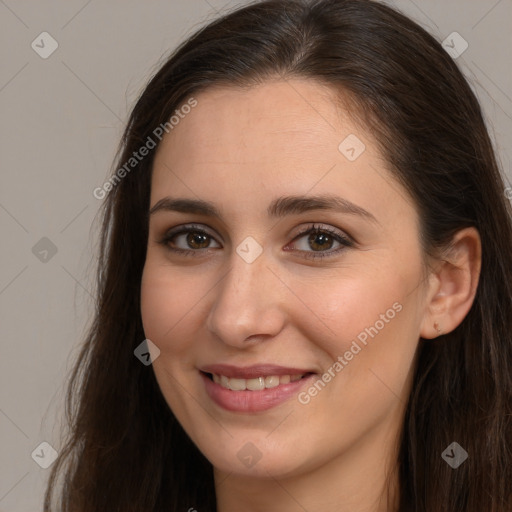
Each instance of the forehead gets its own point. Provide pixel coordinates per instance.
(297, 124)
(241, 147)
(295, 116)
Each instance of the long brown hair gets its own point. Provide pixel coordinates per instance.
(125, 451)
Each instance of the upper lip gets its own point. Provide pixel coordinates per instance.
(252, 372)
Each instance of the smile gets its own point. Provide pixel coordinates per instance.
(253, 389)
(257, 384)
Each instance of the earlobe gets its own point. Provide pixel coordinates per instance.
(453, 287)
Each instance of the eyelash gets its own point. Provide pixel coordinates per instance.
(343, 240)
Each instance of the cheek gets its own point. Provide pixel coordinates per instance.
(165, 304)
(371, 323)
(341, 311)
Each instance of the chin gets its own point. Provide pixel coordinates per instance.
(254, 455)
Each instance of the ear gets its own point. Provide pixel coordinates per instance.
(453, 284)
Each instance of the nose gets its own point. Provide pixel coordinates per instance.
(249, 303)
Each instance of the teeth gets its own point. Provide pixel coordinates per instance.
(272, 382)
(256, 384)
(285, 379)
(237, 384)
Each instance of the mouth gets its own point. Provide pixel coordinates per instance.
(252, 389)
(254, 384)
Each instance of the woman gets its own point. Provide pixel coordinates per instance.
(307, 236)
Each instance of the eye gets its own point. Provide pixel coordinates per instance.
(192, 239)
(321, 239)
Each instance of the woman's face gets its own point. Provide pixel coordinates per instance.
(326, 323)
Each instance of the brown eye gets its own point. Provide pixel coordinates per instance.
(188, 240)
(319, 242)
(197, 240)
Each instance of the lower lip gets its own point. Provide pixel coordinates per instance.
(252, 401)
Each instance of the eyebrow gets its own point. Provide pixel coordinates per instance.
(280, 207)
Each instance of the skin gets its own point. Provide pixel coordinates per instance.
(241, 148)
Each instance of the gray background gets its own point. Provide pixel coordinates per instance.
(61, 119)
